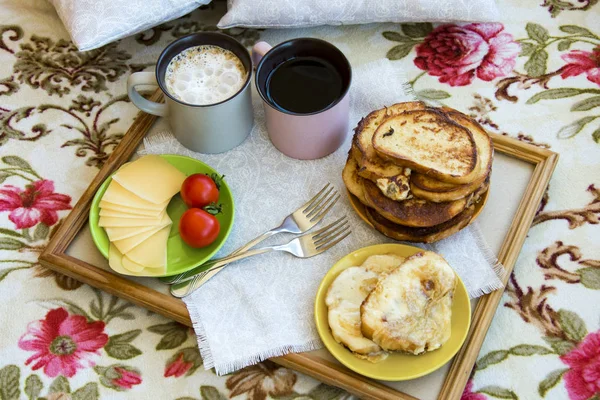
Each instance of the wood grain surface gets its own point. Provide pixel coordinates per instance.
(55, 257)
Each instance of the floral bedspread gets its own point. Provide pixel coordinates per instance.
(535, 76)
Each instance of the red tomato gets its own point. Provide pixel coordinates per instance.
(198, 228)
(199, 190)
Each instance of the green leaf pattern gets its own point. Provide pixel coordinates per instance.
(93, 140)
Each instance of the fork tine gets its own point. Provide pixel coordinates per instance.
(319, 201)
(325, 237)
(317, 209)
(320, 231)
(310, 202)
(329, 245)
(320, 215)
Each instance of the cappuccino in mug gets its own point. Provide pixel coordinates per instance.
(203, 75)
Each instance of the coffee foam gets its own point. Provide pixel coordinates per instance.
(203, 75)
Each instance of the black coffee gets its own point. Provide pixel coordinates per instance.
(304, 85)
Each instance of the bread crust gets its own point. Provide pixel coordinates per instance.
(366, 156)
(428, 142)
(420, 235)
(412, 212)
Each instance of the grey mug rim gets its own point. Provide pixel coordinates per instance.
(329, 107)
(163, 55)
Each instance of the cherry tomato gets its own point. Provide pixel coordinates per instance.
(199, 190)
(198, 228)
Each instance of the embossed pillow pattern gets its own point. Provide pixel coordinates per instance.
(303, 13)
(94, 23)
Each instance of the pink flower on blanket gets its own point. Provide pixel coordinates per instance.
(63, 343)
(127, 379)
(583, 379)
(178, 367)
(458, 53)
(37, 203)
(582, 62)
(469, 395)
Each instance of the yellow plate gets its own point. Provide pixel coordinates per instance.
(398, 366)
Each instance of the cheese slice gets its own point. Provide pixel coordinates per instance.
(133, 266)
(125, 245)
(130, 222)
(117, 194)
(116, 261)
(104, 205)
(123, 232)
(152, 178)
(120, 214)
(152, 252)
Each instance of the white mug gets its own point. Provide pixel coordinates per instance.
(212, 128)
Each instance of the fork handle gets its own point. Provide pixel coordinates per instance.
(186, 276)
(183, 288)
(222, 262)
(256, 241)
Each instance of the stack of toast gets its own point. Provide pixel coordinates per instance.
(419, 170)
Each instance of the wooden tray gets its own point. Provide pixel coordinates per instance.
(56, 257)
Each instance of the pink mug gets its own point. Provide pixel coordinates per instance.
(303, 133)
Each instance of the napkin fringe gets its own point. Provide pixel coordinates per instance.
(207, 357)
(154, 143)
(223, 369)
(491, 258)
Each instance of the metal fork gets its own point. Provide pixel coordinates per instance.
(305, 246)
(300, 221)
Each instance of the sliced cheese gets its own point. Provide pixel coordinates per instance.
(114, 261)
(104, 205)
(125, 245)
(131, 266)
(123, 232)
(117, 194)
(150, 177)
(130, 222)
(120, 214)
(152, 252)
(117, 261)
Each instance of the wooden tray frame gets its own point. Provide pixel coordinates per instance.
(55, 258)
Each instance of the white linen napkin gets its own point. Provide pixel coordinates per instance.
(263, 306)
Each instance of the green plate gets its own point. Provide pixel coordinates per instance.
(180, 256)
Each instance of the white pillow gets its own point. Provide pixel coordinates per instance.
(94, 23)
(302, 13)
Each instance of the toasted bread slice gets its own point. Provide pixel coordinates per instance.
(420, 235)
(422, 184)
(459, 193)
(430, 184)
(352, 181)
(367, 157)
(395, 187)
(412, 212)
(410, 309)
(345, 296)
(428, 142)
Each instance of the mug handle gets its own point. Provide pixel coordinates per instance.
(258, 52)
(151, 107)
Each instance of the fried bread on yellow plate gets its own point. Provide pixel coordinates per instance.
(367, 157)
(412, 212)
(410, 308)
(419, 235)
(344, 298)
(352, 181)
(431, 189)
(428, 142)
